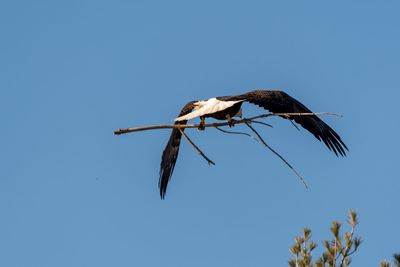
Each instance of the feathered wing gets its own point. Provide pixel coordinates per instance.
(280, 102)
(170, 153)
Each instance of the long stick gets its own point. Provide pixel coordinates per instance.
(232, 132)
(276, 153)
(196, 147)
(242, 133)
(172, 126)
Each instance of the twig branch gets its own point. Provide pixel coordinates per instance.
(263, 123)
(295, 126)
(347, 253)
(276, 153)
(232, 132)
(246, 121)
(242, 133)
(196, 147)
(174, 126)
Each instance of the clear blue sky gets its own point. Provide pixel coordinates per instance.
(73, 194)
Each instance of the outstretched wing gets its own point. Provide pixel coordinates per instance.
(280, 102)
(170, 153)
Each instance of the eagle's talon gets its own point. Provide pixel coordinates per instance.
(202, 124)
(231, 122)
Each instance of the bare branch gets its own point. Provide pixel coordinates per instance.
(174, 126)
(295, 126)
(246, 121)
(242, 133)
(276, 153)
(263, 123)
(232, 132)
(196, 147)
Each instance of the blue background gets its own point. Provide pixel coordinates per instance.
(73, 194)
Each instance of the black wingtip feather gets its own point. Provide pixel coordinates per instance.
(170, 153)
(329, 137)
(168, 161)
(280, 102)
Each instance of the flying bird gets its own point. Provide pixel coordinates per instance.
(228, 107)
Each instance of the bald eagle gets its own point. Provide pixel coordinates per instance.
(228, 107)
